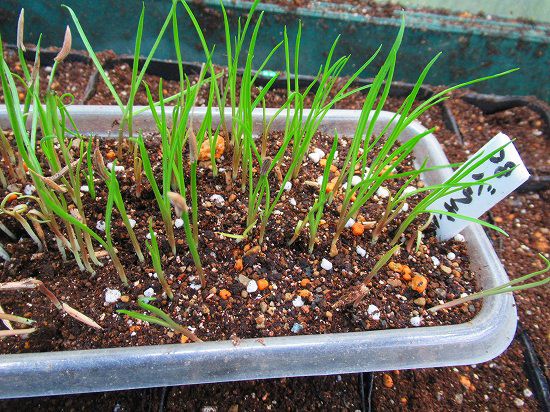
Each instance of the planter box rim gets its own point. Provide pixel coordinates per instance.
(481, 339)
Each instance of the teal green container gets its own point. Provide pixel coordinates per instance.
(472, 47)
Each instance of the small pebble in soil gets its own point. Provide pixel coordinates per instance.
(194, 286)
(435, 261)
(519, 402)
(292, 201)
(29, 190)
(409, 189)
(460, 238)
(325, 264)
(298, 302)
(355, 180)
(459, 398)
(314, 157)
(217, 199)
(178, 223)
(383, 192)
(320, 180)
(252, 286)
(84, 188)
(373, 312)
(527, 393)
(263, 284)
(288, 186)
(451, 256)
(296, 328)
(112, 295)
(405, 207)
(361, 252)
(420, 301)
(319, 152)
(416, 321)
(132, 223)
(148, 236)
(118, 168)
(100, 225)
(350, 222)
(149, 292)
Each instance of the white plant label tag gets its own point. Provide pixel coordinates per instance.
(475, 200)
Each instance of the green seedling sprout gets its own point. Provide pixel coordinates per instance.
(381, 263)
(52, 118)
(158, 317)
(153, 249)
(505, 288)
(57, 173)
(315, 214)
(127, 109)
(182, 210)
(452, 185)
(389, 156)
(90, 169)
(241, 110)
(114, 190)
(302, 128)
(238, 238)
(161, 198)
(108, 236)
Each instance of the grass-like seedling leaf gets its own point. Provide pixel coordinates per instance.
(162, 199)
(326, 95)
(158, 317)
(315, 214)
(114, 190)
(505, 288)
(154, 251)
(381, 262)
(453, 185)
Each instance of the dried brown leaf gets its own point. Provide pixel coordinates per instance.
(66, 48)
(99, 164)
(4, 333)
(21, 30)
(80, 316)
(179, 203)
(49, 182)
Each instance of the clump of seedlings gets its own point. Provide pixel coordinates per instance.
(158, 317)
(187, 176)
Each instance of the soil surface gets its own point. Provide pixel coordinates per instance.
(301, 296)
(499, 383)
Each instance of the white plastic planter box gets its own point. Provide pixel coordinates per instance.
(479, 340)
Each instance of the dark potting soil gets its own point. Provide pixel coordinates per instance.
(70, 77)
(121, 77)
(301, 296)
